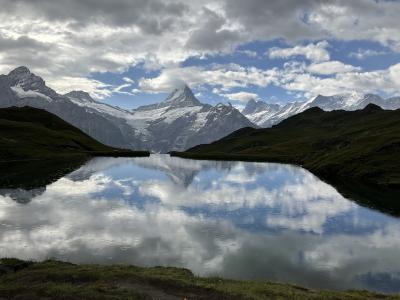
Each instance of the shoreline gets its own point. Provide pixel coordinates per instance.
(362, 192)
(55, 279)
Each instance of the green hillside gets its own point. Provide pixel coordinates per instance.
(357, 150)
(60, 280)
(28, 133)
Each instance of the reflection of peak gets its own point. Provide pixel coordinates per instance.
(22, 196)
(181, 171)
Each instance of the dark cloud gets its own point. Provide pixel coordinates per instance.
(274, 19)
(22, 42)
(151, 16)
(211, 36)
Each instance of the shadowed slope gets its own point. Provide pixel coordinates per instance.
(28, 133)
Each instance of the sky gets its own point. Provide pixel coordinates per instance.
(134, 52)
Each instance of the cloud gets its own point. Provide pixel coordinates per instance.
(241, 96)
(249, 53)
(386, 80)
(365, 53)
(95, 88)
(224, 76)
(314, 52)
(211, 34)
(129, 80)
(74, 39)
(331, 67)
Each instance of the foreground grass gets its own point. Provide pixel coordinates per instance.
(59, 280)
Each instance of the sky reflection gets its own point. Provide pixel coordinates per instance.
(232, 219)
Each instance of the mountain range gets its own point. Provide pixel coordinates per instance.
(178, 123)
(266, 115)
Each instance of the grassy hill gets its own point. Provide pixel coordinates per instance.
(59, 280)
(28, 134)
(356, 150)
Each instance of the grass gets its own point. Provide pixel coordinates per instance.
(60, 280)
(33, 134)
(353, 150)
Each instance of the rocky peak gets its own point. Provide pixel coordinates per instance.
(24, 78)
(182, 97)
(254, 106)
(80, 95)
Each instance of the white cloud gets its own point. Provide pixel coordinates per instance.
(314, 52)
(72, 39)
(249, 53)
(331, 67)
(386, 80)
(128, 80)
(224, 76)
(241, 96)
(95, 88)
(365, 53)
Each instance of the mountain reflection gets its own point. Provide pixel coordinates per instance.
(232, 219)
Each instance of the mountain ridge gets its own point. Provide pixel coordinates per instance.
(178, 123)
(266, 115)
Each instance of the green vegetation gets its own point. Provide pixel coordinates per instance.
(357, 151)
(31, 134)
(59, 280)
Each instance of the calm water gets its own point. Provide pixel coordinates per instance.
(231, 219)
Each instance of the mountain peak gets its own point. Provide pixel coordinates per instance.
(182, 97)
(80, 95)
(22, 70)
(255, 106)
(27, 80)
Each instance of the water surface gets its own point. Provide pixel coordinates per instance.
(231, 219)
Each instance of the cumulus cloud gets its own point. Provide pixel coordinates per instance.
(73, 39)
(241, 96)
(293, 76)
(224, 76)
(331, 67)
(95, 88)
(365, 53)
(385, 80)
(314, 52)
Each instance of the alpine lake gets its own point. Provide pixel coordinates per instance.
(239, 220)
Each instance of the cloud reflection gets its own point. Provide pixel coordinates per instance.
(241, 220)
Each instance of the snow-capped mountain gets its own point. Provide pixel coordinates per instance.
(267, 115)
(182, 121)
(178, 123)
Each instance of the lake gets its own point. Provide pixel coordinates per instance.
(237, 220)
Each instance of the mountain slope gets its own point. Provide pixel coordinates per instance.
(359, 145)
(182, 121)
(177, 123)
(267, 115)
(29, 133)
